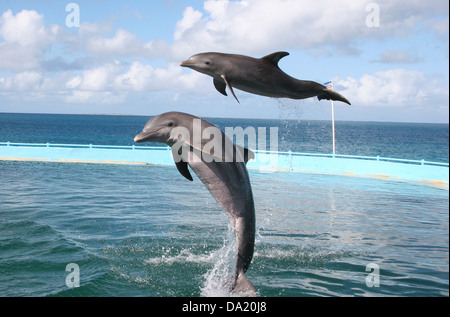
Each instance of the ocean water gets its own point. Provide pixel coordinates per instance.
(146, 231)
(414, 141)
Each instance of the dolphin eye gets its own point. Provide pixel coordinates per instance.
(170, 124)
(207, 63)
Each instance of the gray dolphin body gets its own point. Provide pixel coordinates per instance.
(260, 76)
(220, 165)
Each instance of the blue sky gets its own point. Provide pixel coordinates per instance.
(124, 56)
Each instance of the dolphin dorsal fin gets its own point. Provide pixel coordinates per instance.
(274, 58)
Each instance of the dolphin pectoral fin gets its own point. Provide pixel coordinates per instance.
(246, 153)
(182, 166)
(274, 58)
(220, 86)
(183, 169)
(229, 86)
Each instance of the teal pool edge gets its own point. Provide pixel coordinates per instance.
(427, 173)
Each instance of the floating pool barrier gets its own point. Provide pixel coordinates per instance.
(417, 171)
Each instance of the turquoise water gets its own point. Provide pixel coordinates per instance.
(146, 231)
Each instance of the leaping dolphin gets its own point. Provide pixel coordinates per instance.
(260, 76)
(220, 165)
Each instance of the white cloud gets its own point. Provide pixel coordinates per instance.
(190, 19)
(255, 26)
(122, 43)
(87, 28)
(23, 81)
(25, 37)
(26, 28)
(137, 78)
(78, 96)
(73, 82)
(104, 65)
(395, 57)
(15, 57)
(99, 78)
(395, 88)
(440, 26)
(94, 97)
(112, 77)
(142, 77)
(90, 38)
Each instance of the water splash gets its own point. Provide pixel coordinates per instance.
(290, 109)
(219, 280)
(184, 256)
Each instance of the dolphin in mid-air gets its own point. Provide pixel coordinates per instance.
(260, 76)
(221, 166)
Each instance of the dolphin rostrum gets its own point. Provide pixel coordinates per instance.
(260, 76)
(221, 166)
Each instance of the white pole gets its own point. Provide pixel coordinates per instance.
(334, 135)
(332, 114)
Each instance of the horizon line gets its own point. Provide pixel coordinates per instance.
(219, 117)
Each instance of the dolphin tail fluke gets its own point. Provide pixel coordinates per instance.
(332, 95)
(243, 287)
